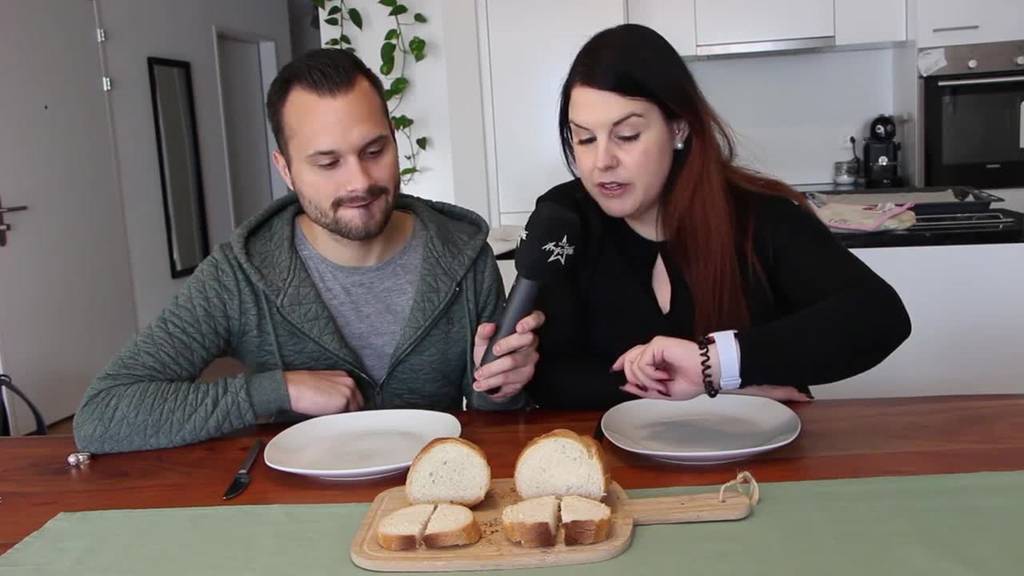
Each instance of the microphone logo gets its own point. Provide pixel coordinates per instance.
(559, 250)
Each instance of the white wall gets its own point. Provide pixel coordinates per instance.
(793, 113)
(427, 99)
(182, 30)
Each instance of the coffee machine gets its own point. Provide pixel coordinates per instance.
(881, 154)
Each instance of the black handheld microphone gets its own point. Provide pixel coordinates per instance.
(545, 251)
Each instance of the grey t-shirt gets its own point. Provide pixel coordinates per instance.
(370, 304)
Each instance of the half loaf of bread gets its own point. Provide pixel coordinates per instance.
(561, 463)
(448, 470)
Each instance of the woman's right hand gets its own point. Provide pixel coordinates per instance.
(665, 368)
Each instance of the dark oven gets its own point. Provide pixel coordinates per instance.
(973, 132)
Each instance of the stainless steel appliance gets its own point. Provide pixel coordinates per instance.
(973, 132)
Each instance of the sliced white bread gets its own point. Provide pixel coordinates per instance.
(403, 529)
(450, 470)
(585, 521)
(532, 523)
(561, 463)
(451, 525)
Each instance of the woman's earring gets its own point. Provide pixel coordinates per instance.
(679, 144)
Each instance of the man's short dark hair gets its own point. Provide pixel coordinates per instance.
(325, 72)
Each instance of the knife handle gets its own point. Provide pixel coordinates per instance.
(250, 458)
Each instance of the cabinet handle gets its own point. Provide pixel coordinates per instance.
(956, 28)
(977, 81)
(1020, 122)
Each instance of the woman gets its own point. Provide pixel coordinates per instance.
(684, 252)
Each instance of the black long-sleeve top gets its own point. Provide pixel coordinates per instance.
(818, 314)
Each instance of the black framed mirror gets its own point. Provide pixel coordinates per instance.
(170, 83)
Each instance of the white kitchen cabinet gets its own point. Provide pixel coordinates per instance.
(528, 48)
(742, 21)
(951, 22)
(966, 311)
(673, 19)
(868, 21)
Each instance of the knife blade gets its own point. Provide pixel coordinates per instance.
(241, 479)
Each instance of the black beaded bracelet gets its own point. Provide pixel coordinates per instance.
(705, 367)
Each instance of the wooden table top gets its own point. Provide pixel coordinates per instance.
(840, 439)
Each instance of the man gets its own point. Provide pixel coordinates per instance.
(346, 295)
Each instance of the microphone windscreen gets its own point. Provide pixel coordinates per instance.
(548, 243)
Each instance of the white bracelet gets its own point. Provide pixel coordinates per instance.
(728, 359)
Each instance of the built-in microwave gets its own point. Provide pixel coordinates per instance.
(973, 108)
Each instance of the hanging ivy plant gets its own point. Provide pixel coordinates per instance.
(337, 15)
(398, 47)
(395, 51)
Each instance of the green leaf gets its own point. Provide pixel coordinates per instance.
(418, 47)
(398, 10)
(388, 3)
(333, 42)
(398, 85)
(387, 58)
(333, 21)
(345, 39)
(419, 17)
(401, 122)
(334, 10)
(392, 34)
(422, 142)
(408, 171)
(356, 18)
(319, 4)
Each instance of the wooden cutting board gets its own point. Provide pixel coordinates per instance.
(494, 551)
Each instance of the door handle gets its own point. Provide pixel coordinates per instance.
(5, 228)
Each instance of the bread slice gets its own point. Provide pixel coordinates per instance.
(532, 523)
(585, 521)
(448, 470)
(451, 525)
(561, 463)
(403, 529)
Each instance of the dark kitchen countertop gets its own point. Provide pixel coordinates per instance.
(993, 234)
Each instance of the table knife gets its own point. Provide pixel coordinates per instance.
(241, 480)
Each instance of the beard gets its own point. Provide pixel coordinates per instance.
(360, 224)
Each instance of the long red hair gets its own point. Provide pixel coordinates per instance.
(705, 209)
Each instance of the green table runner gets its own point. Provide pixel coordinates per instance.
(949, 524)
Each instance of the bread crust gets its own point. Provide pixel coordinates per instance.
(438, 442)
(529, 534)
(397, 542)
(586, 531)
(592, 447)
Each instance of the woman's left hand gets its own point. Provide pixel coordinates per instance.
(665, 368)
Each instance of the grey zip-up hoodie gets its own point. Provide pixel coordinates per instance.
(254, 300)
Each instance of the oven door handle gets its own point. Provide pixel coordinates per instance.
(978, 81)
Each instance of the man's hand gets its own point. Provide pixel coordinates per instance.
(516, 357)
(317, 393)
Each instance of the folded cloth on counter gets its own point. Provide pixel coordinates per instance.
(865, 217)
